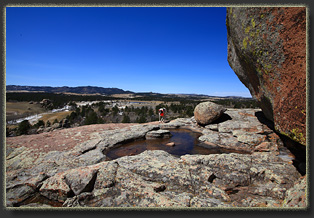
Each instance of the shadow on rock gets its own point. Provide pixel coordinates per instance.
(224, 117)
(298, 150)
(261, 117)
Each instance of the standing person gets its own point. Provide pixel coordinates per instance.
(161, 113)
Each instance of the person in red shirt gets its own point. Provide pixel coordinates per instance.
(161, 114)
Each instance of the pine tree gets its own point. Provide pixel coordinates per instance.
(126, 118)
(91, 118)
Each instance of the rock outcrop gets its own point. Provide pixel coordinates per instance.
(68, 168)
(267, 51)
(247, 131)
(207, 112)
(162, 133)
(46, 103)
(157, 179)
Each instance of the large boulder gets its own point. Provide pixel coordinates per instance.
(207, 112)
(267, 51)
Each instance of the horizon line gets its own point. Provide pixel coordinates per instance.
(210, 95)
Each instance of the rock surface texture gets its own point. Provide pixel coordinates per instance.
(67, 168)
(207, 112)
(267, 51)
(158, 134)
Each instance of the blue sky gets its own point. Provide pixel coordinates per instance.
(141, 49)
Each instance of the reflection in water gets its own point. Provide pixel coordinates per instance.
(186, 142)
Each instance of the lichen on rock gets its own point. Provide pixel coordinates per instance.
(267, 51)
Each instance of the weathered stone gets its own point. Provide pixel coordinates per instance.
(158, 166)
(15, 152)
(210, 136)
(297, 195)
(78, 200)
(267, 51)
(269, 190)
(132, 189)
(146, 180)
(262, 172)
(207, 112)
(81, 179)
(23, 160)
(87, 146)
(91, 157)
(135, 132)
(213, 127)
(267, 167)
(158, 134)
(267, 147)
(179, 122)
(105, 178)
(259, 201)
(230, 125)
(228, 141)
(18, 194)
(251, 139)
(36, 181)
(55, 188)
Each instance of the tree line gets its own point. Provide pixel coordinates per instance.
(103, 112)
(238, 103)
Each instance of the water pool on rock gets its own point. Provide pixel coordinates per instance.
(186, 142)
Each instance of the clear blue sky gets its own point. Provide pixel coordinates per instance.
(141, 49)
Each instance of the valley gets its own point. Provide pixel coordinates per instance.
(42, 109)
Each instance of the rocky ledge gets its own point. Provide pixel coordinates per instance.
(67, 168)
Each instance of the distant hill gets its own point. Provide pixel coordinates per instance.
(64, 89)
(115, 92)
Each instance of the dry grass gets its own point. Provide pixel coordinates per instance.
(59, 116)
(123, 95)
(15, 110)
(22, 108)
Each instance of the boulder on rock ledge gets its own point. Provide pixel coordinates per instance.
(207, 112)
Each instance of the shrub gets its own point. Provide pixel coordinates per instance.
(39, 124)
(48, 123)
(23, 127)
(91, 118)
